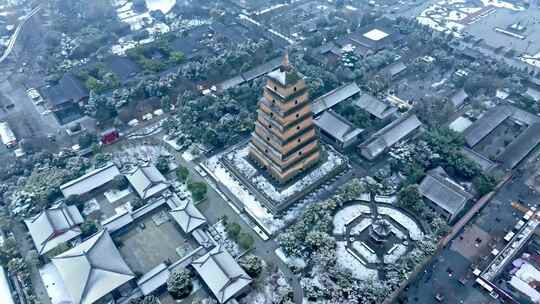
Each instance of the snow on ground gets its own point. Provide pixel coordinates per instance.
(290, 261)
(139, 153)
(164, 6)
(220, 235)
(188, 155)
(400, 217)
(54, 284)
(172, 143)
(364, 223)
(398, 252)
(255, 208)
(238, 158)
(362, 248)
(114, 195)
(532, 60)
(359, 270)
(502, 4)
(346, 214)
(91, 206)
(333, 161)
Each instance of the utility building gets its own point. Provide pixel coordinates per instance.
(285, 140)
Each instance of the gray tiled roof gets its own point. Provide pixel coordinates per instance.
(374, 106)
(147, 181)
(186, 214)
(90, 181)
(485, 125)
(56, 225)
(443, 192)
(221, 273)
(492, 119)
(521, 147)
(69, 88)
(92, 269)
(337, 126)
(389, 136)
(334, 97)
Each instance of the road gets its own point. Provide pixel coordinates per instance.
(15, 35)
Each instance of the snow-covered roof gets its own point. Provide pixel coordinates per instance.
(54, 226)
(186, 214)
(334, 97)
(337, 126)
(389, 136)
(374, 106)
(154, 279)
(90, 181)
(92, 269)
(147, 181)
(221, 273)
(376, 35)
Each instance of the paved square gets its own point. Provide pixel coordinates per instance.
(145, 248)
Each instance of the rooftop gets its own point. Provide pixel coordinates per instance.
(56, 225)
(374, 106)
(492, 119)
(92, 269)
(221, 273)
(521, 147)
(334, 97)
(375, 35)
(90, 181)
(68, 89)
(147, 181)
(187, 215)
(337, 126)
(389, 136)
(444, 192)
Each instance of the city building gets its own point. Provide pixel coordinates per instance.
(221, 274)
(285, 141)
(90, 181)
(68, 92)
(375, 107)
(54, 226)
(442, 194)
(388, 136)
(147, 181)
(92, 271)
(336, 128)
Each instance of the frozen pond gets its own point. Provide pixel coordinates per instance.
(162, 5)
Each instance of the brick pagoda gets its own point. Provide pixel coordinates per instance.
(285, 142)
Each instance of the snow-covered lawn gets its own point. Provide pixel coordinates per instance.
(332, 162)
(54, 284)
(290, 261)
(407, 222)
(397, 253)
(347, 260)
(255, 208)
(238, 158)
(347, 214)
(114, 195)
(365, 252)
(91, 206)
(220, 235)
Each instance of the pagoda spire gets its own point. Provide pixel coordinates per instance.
(285, 63)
